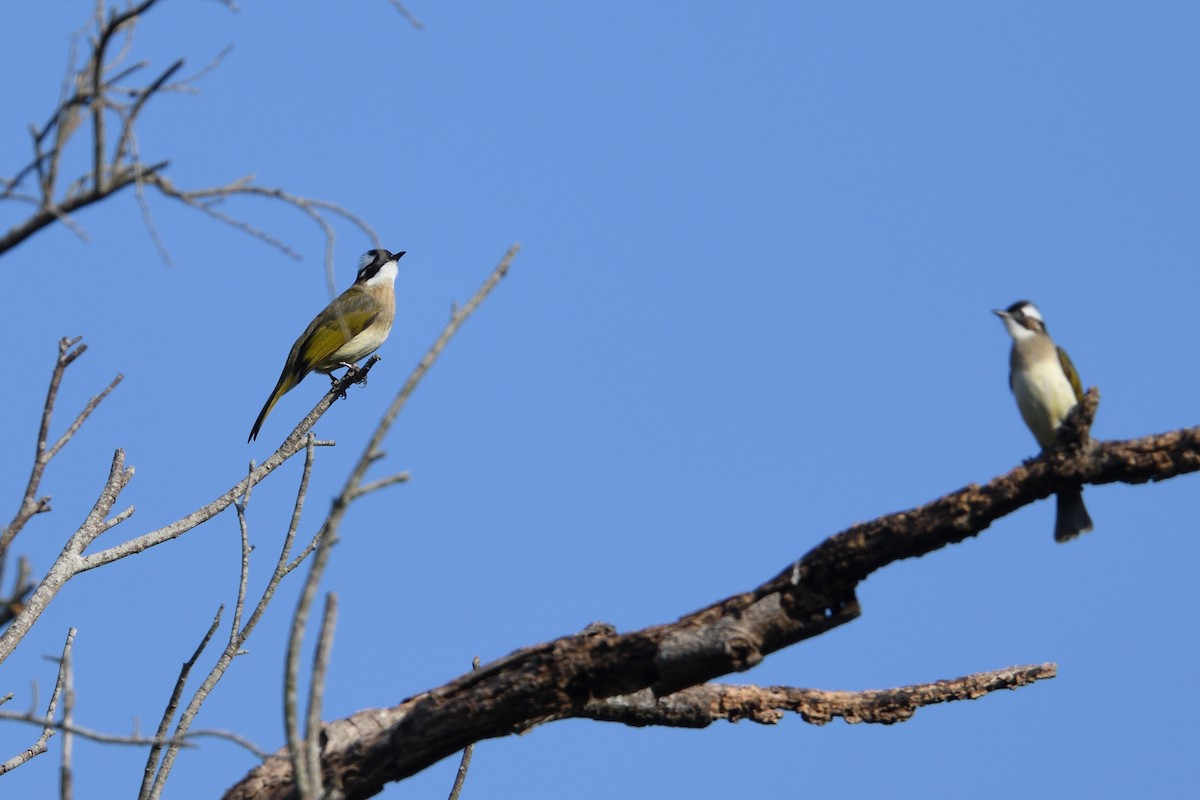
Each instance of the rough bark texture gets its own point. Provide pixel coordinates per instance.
(566, 677)
(700, 706)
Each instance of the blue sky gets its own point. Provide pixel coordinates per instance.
(760, 249)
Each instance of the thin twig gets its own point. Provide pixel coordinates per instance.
(68, 562)
(66, 782)
(307, 784)
(92, 89)
(152, 758)
(380, 483)
(457, 318)
(123, 144)
(204, 199)
(408, 15)
(316, 695)
(465, 763)
(96, 65)
(75, 425)
(139, 193)
(291, 446)
(238, 637)
(185, 83)
(244, 572)
(69, 349)
(39, 746)
(135, 739)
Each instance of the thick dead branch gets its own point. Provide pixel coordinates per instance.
(562, 678)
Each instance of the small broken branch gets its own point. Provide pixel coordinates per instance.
(700, 706)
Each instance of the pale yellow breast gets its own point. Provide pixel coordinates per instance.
(1045, 396)
(363, 344)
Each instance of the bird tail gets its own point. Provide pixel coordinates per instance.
(286, 382)
(1072, 518)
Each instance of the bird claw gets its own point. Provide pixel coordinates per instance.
(351, 375)
(352, 371)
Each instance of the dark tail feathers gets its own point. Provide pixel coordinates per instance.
(1072, 518)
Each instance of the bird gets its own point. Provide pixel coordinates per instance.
(349, 329)
(1047, 387)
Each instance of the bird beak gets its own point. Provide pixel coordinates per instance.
(1001, 314)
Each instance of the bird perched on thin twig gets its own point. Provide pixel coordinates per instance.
(348, 330)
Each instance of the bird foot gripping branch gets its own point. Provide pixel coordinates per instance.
(353, 374)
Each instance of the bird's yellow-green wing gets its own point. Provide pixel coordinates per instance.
(1072, 375)
(342, 320)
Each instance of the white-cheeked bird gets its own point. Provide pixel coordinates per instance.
(348, 330)
(1046, 386)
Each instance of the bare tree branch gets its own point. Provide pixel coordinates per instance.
(457, 317)
(700, 706)
(66, 780)
(293, 444)
(72, 561)
(133, 739)
(307, 770)
(810, 596)
(67, 564)
(316, 696)
(39, 746)
(152, 759)
(207, 201)
(69, 349)
(93, 87)
(464, 764)
(237, 636)
(379, 483)
(408, 15)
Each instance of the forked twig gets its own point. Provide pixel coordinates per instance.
(39, 746)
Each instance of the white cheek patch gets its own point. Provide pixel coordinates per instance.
(1016, 330)
(386, 274)
(1031, 311)
(365, 260)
